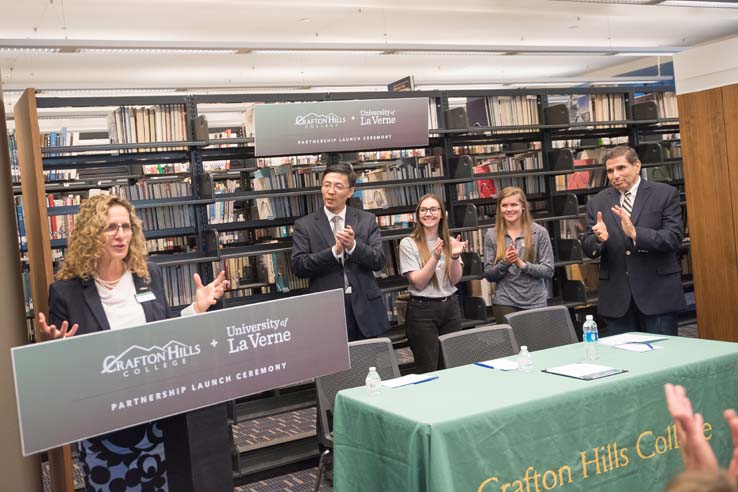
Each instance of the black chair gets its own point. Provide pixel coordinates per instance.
(542, 328)
(477, 344)
(376, 352)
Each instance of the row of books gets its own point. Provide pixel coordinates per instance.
(179, 287)
(480, 149)
(599, 142)
(158, 123)
(178, 244)
(383, 155)
(665, 101)
(294, 160)
(165, 218)
(162, 169)
(592, 107)
(153, 190)
(406, 196)
(13, 151)
(502, 111)
(489, 187)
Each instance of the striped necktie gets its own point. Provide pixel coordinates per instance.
(337, 226)
(627, 202)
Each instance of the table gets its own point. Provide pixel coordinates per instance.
(482, 430)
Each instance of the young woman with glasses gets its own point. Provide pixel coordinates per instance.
(431, 261)
(517, 256)
(105, 283)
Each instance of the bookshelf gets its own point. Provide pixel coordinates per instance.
(212, 205)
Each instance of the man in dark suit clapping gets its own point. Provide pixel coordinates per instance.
(635, 228)
(339, 247)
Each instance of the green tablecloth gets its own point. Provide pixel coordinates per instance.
(481, 430)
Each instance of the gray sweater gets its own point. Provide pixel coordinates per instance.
(524, 288)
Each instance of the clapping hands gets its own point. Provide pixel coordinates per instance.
(458, 246)
(696, 451)
(600, 229)
(512, 257)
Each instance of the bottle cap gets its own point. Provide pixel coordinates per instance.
(523, 347)
(372, 368)
(589, 317)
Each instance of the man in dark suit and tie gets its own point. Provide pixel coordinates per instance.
(635, 228)
(339, 247)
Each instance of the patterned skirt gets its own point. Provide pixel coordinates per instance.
(130, 460)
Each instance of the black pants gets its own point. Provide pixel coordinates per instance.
(635, 320)
(427, 319)
(352, 327)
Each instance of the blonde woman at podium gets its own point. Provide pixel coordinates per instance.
(431, 261)
(517, 256)
(105, 283)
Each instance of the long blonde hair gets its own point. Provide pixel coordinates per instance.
(421, 241)
(86, 243)
(526, 222)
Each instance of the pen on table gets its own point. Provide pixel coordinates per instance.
(426, 380)
(648, 345)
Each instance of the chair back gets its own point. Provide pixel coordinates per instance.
(542, 328)
(376, 352)
(477, 345)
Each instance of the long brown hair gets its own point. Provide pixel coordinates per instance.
(526, 222)
(421, 241)
(86, 242)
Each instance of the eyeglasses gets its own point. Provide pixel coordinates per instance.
(431, 210)
(336, 186)
(112, 229)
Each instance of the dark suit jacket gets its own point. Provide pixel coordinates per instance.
(312, 257)
(77, 301)
(649, 271)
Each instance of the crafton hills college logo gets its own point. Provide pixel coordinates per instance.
(315, 120)
(136, 360)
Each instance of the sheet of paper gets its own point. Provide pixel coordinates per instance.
(638, 347)
(630, 338)
(503, 364)
(408, 379)
(583, 370)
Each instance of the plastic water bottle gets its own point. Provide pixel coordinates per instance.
(591, 335)
(525, 360)
(373, 382)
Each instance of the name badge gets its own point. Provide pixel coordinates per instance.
(145, 296)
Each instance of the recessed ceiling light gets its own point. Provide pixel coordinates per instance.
(23, 49)
(642, 53)
(159, 51)
(697, 3)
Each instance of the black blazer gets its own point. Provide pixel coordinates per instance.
(312, 257)
(77, 301)
(648, 271)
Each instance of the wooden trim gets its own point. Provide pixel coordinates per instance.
(706, 155)
(19, 473)
(28, 138)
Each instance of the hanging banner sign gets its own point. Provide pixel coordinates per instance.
(87, 385)
(333, 126)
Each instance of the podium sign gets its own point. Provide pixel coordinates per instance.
(88, 385)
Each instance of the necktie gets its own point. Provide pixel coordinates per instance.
(337, 226)
(627, 202)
